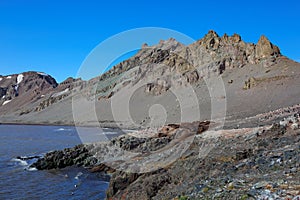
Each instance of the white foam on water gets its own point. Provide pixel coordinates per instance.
(31, 169)
(108, 133)
(22, 162)
(63, 129)
(20, 78)
(78, 175)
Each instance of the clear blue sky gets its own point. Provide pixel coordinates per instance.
(56, 36)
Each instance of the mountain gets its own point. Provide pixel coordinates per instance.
(255, 79)
(21, 89)
(22, 93)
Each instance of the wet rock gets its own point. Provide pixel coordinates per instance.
(60, 159)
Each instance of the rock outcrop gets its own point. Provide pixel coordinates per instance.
(226, 164)
(242, 164)
(171, 64)
(264, 49)
(78, 155)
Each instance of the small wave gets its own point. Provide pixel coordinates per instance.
(25, 160)
(63, 129)
(109, 133)
(28, 157)
(78, 175)
(31, 169)
(22, 162)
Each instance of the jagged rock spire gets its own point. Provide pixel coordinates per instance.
(264, 48)
(211, 40)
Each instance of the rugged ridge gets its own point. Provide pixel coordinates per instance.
(162, 69)
(211, 54)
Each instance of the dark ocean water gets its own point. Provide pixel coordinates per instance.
(18, 181)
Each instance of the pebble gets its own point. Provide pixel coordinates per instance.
(296, 197)
(219, 190)
(230, 186)
(260, 185)
(294, 126)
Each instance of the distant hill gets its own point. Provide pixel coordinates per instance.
(256, 78)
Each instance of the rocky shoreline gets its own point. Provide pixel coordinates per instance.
(248, 163)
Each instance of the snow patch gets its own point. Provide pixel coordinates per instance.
(1, 79)
(43, 74)
(6, 102)
(8, 77)
(3, 97)
(20, 78)
(61, 93)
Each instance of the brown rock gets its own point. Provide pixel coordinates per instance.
(251, 82)
(168, 130)
(102, 168)
(264, 48)
(211, 40)
(235, 38)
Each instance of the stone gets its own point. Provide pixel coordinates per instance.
(235, 38)
(295, 126)
(230, 186)
(260, 185)
(296, 197)
(250, 83)
(264, 48)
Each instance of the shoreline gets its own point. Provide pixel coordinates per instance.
(264, 117)
(69, 125)
(230, 154)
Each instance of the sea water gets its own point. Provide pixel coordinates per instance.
(18, 143)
